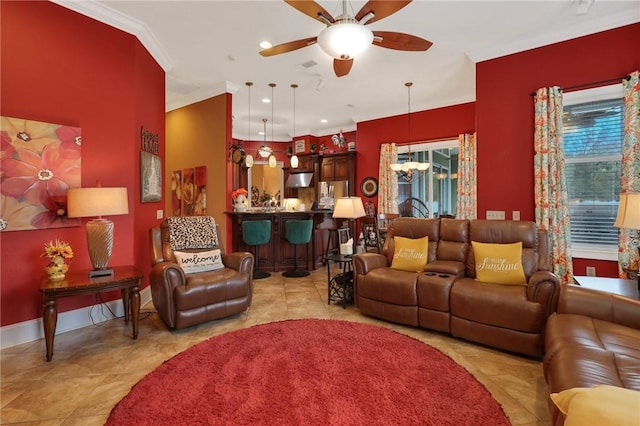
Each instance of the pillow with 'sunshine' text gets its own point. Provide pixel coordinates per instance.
(410, 254)
(499, 263)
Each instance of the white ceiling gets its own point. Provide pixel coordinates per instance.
(209, 47)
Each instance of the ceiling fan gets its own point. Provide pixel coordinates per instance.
(346, 36)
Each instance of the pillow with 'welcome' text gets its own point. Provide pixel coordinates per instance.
(410, 254)
(200, 261)
(499, 263)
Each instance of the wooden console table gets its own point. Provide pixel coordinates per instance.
(76, 283)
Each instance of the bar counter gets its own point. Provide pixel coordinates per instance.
(277, 254)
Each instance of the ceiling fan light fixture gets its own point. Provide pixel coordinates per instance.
(345, 40)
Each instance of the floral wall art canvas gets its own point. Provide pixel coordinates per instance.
(176, 193)
(39, 162)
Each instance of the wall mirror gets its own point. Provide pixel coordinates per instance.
(265, 184)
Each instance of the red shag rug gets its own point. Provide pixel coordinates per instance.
(309, 372)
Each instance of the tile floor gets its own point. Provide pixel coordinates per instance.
(94, 367)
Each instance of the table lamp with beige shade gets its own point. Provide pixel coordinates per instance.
(629, 218)
(349, 208)
(97, 202)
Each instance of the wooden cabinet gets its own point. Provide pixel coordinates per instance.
(336, 167)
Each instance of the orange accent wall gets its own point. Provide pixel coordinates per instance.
(504, 110)
(61, 67)
(196, 136)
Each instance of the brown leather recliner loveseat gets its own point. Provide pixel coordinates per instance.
(446, 296)
(182, 299)
(593, 339)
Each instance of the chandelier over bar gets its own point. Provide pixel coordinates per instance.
(407, 170)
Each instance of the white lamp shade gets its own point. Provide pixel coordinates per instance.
(272, 161)
(294, 161)
(249, 160)
(345, 40)
(628, 211)
(348, 208)
(423, 166)
(396, 167)
(95, 202)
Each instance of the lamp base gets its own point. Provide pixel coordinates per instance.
(100, 273)
(100, 242)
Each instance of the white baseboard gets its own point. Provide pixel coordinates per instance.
(28, 331)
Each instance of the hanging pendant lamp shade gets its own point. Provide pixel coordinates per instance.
(294, 158)
(272, 158)
(249, 158)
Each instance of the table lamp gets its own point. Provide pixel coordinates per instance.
(97, 202)
(349, 208)
(629, 218)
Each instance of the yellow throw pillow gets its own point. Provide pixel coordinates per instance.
(599, 405)
(410, 254)
(499, 263)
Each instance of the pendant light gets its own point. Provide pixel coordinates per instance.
(294, 157)
(272, 158)
(408, 169)
(249, 158)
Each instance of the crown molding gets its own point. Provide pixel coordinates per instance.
(551, 37)
(106, 15)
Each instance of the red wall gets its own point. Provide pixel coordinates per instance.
(434, 124)
(61, 67)
(504, 111)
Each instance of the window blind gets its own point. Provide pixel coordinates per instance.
(593, 135)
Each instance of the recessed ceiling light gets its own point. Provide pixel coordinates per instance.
(266, 100)
(265, 44)
(324, 120)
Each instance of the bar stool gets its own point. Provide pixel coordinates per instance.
(256, 233)
(297, 232)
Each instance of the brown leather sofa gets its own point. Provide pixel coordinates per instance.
(183, 300)
(593, 339)
(446, 297)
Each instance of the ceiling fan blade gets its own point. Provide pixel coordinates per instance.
(289, 46)
(312, 9)
(381, 9)
(400, 41)
(342, 66)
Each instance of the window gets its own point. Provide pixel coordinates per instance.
(432, 193)
(593, 132)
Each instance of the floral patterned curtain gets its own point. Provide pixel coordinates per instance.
(629, 239)
(551, 201)
(388, 180)
(467, 206)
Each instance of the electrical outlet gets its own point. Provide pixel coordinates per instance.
(159, 214)
(495, 214)
(591, 271)
(515, 215)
